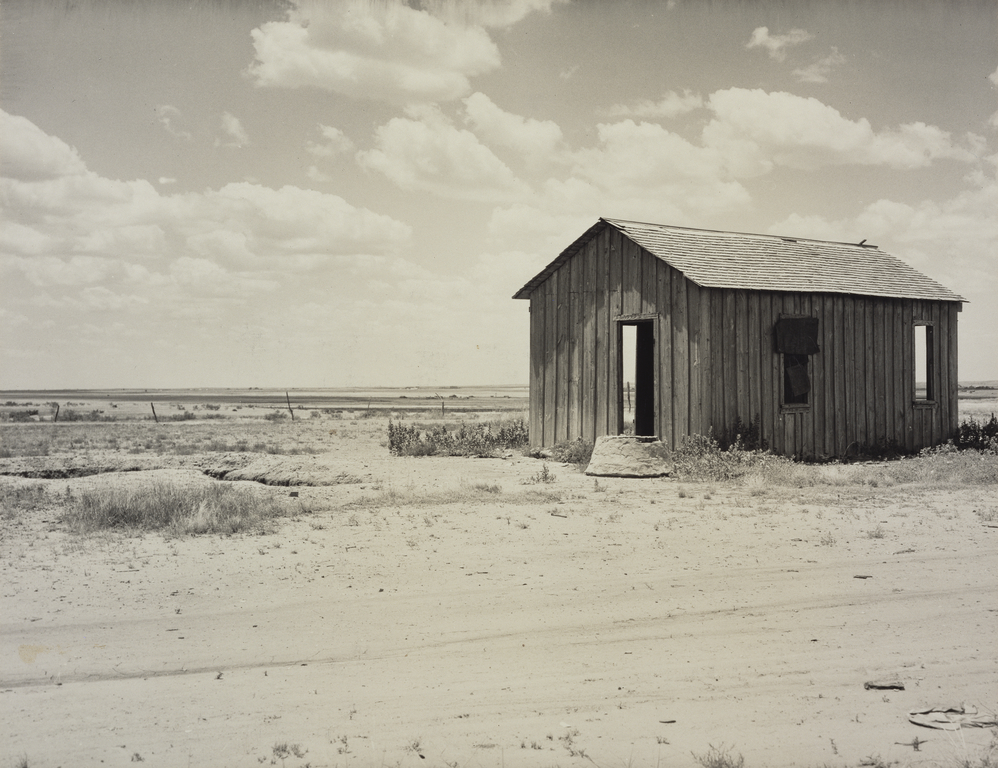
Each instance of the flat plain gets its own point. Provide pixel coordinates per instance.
(481, 611)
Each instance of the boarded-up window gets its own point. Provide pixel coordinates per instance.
(797, 336)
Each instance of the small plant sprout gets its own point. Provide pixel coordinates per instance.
(719, 757)
(876, 533)
(543, 476)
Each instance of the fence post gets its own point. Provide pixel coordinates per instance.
(155, 417)
(286, 395)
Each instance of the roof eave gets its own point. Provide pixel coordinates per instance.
(571, 250)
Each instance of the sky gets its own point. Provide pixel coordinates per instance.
(217, 193)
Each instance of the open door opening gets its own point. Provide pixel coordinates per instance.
(637, 378)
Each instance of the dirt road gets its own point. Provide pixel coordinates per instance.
(629, 622)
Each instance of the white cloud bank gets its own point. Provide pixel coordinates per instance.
(426, 151)
(387, 50)
(66, 227)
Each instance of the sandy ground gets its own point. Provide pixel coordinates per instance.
(624, 623)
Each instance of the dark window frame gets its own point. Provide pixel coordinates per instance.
(929, 399)
(790, 403)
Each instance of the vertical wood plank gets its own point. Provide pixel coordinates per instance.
(907, 373)
(952, 381)
(630, 276)
(824, 423)
(602, 353)
(717, 344)
(791, 306)
(769, 410)
(575, 350)
(693, 317)
(843, 312)
(880, 370)
(562, 362)
(897, 373)
(649, 305)
(730, 386)
(649, 284)
(664, 274)
(550, 358)
(940, 391)
(615, 410)
(536, 424)
(587, 382)
(741, 358)
(855, 411)
(702, 427)
(889, 375)
(680, 358)
(755, 351)
(869, 372)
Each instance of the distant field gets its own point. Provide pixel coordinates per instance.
(177, 404)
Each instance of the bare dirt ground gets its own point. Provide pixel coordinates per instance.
(407, 617)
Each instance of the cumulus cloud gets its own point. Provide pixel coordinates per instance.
(234, 129)
(776, 45)
(755, 130)
(168, 116)
(334, 143)
(635, 160)
(64, 225)
(993, 77)
(386, 51)
(29, 154)
(533, 139)
(670, 105)
(426, 151)
(818, 71)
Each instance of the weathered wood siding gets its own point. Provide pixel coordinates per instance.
(575, 354)
(862, 380)
(716, 362)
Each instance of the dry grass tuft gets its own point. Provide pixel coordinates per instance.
(175, 509)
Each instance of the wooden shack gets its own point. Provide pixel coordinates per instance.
(828, 348)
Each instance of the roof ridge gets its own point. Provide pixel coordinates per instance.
(730, 233)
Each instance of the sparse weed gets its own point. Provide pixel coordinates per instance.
(487, 487)
(18, 498)
(719, 757)
(876, 533)
(542, 476)
(828, 540)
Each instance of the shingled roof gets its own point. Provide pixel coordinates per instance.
(766, 263)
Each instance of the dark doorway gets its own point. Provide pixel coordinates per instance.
(637, 376)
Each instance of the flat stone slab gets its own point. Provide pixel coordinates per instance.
(629, 456)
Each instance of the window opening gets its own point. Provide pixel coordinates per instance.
(637, 378)
(796, 382)
(924, 368)
(796, 339)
